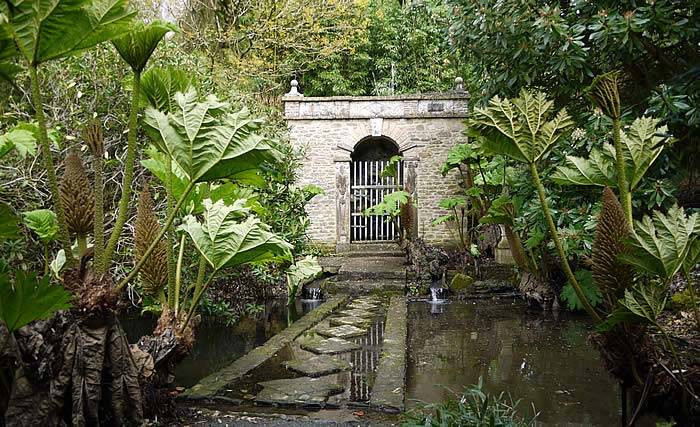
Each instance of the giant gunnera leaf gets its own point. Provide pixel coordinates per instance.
(137, 46)
(207, 141)
(661, 243)
(524, 128)
(225, 239)
(42, 222)
(29, 298)
(642, 144)
(43, 30)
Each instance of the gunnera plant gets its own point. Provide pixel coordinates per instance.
(154, 273)
(77, 200)
(92, 135)
(610, 274)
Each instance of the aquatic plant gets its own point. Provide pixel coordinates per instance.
(37, 36)
(474, 407)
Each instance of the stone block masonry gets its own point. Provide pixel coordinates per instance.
(326, 130)
(389, 387)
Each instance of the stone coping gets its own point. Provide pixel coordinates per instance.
(406, 97)
(389, 387)
(211, 385)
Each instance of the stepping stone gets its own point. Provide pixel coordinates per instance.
(362, 306)
(366, 300)
(319, 345)
(297, 392)
(317, 366)
(342, 331)
(357, 313)
(351, 320)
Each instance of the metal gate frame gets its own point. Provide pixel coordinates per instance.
(367, 188)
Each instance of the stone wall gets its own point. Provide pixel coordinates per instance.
(424, 127)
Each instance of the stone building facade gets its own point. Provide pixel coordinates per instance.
(329, 129)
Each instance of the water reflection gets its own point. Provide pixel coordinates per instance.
(437, 307)
(537, 357)
(217, 345)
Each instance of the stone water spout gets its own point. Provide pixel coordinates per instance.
(438, 291)
(311, 294)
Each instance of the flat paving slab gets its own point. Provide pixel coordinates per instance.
(359, 322)
(319, 345)
(342, 331)
(356, 312)
(361, 305)
(297, 392)
(317, 366)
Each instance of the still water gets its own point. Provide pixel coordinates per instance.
(540, 358)
(217, 344)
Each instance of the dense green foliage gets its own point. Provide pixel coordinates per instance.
(404, 48)
(561, 46)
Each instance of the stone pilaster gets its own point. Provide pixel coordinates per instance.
(342, 201)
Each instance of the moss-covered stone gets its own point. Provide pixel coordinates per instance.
(389, 387)
(461, 283)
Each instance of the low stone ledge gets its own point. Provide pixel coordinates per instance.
(209, 386)
(389, 387)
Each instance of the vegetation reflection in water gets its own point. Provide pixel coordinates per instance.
(221, 344)
(540, 358)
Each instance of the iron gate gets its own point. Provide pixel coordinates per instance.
(368, 188)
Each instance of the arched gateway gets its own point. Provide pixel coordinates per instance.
(347, 141)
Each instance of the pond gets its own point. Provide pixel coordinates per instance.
(540, 358)
(217, 344)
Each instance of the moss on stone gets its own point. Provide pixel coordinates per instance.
(461, 282)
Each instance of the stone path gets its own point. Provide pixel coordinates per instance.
(358, 322)
(316, 366)
(297, 391)
(215, 383)
(324, 355)
(342, 331)
(328, 359)
(320, 345)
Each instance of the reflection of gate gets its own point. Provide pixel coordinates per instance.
(367, 188)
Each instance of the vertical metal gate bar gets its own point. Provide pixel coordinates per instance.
(370, 182)
(375, 233)
(385, 221)
(382, 221)
(361, 181)
(353, 192)
(364, 200)
(353, 182)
